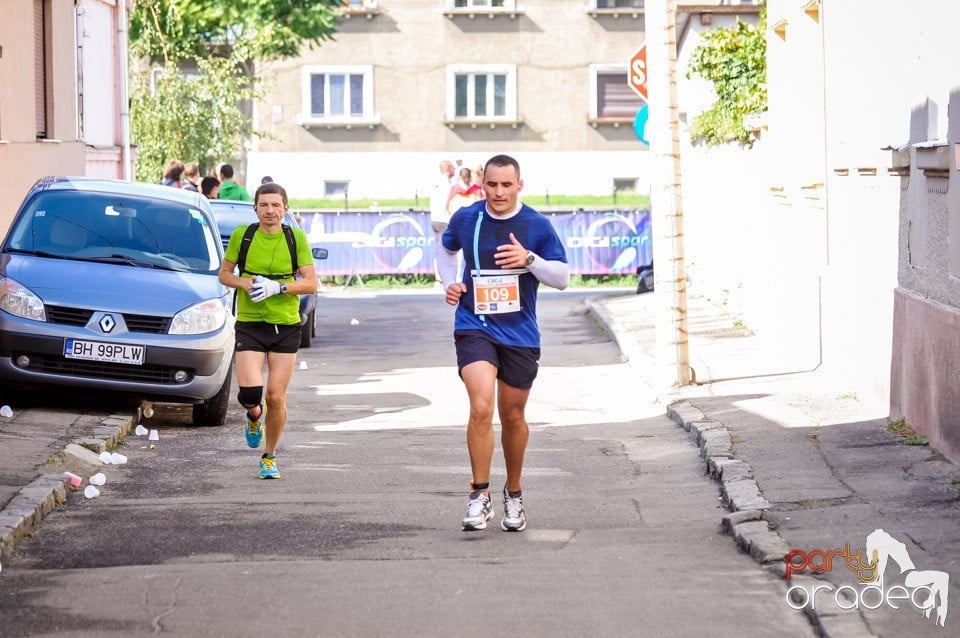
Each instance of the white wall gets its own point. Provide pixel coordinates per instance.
(402, 175)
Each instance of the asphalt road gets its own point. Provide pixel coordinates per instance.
(361, 536)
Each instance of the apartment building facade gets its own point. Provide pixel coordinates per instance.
(62, 101)
(407, 83)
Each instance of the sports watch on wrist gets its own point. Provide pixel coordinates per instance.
(530, 258)
(283, 289)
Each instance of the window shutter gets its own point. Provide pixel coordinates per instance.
(615, 98)
(40, 68)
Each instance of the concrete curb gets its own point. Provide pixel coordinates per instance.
(741, 494)
(40, 497)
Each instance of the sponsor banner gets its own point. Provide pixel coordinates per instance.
(364, 243)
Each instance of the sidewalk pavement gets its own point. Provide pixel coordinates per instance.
(39, 446)
(802, 464)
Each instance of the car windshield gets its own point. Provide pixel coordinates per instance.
(137, 231)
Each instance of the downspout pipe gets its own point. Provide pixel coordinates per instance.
(124, 84)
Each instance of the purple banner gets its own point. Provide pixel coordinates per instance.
(365, 243)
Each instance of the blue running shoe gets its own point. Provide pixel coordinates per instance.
(254, 429)
(268, 467)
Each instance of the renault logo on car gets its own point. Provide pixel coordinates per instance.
(107, 323)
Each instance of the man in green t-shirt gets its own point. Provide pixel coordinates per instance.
(268, 317)
(229, 189)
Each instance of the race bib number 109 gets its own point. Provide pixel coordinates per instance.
(496, 294)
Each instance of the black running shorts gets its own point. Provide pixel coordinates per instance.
(516, 366)
(259, 336)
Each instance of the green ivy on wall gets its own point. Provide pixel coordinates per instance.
(734, 59)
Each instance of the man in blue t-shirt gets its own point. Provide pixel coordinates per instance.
(509, 250)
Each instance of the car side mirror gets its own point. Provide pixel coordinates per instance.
(319, 253)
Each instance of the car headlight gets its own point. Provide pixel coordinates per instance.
(20, 301)
(206, 316)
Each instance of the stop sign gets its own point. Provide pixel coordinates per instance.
(637, 75)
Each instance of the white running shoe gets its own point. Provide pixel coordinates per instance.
(479, 511)
(514, 520)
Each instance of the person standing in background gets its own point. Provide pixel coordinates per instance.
(191, 177)
(172, 173)
(210, 187)
(439, 196)
(231, 189)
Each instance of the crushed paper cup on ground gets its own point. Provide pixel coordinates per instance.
(140, 430)
(98, 479)
(91, 491)
(354, 322)
(75, 480)
(106, 458)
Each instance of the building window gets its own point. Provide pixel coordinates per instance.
(335, 188)
(611, 98)
(465, 4)
(337, 96)
(618, 4)
(482, 93)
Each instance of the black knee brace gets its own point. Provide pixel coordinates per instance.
(250, 396)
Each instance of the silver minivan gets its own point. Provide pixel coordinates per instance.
(112, 286)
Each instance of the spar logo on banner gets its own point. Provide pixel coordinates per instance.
(924, 590)
(605, 242)
(398, 242)
(372, 243)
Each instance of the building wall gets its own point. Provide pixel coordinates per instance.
(410, 45)
(66, 150)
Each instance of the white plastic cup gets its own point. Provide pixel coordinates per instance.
(154, 435)
(303, 365)
(354, 322)
(140, 430)
(106, 458)
(6, 411)
(118, 459)
(98, 479)
(91, 492)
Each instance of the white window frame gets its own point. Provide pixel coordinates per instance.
(614, 12)
(595, 71)
(508, 5)
(474, 8)
(369, 8)
(594, 3)
(368, 118)
(510, 115)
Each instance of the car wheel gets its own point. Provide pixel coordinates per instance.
(306, 331)
(213, 411)
(645, 280)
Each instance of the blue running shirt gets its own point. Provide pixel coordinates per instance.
(536, 234)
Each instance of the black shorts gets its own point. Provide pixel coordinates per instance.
(516, 366)
(258, 336)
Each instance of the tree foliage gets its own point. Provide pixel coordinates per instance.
(199, 116)
(194, 118)
(734, 59)
(261, 29)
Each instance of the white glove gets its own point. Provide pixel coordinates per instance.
(263, 288)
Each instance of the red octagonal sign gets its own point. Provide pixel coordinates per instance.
(637, 75)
